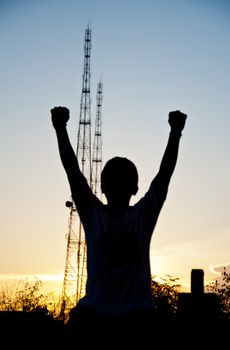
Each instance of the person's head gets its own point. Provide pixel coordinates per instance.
(119, 179)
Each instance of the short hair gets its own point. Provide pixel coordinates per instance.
(120, 171)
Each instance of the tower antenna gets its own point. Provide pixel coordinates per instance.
(97, 144)
(75, 262)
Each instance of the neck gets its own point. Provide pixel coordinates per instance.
(117, 210)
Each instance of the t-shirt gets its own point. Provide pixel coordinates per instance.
(118, 264)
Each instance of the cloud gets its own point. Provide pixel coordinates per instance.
(218, 269)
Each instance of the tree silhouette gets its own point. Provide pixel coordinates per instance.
(27, 297)
(165, 295)
(222, 291)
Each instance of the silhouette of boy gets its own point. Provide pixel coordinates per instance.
(118, 309)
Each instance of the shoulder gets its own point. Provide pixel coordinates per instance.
(87, 207)
(158, 189)
(153, 199)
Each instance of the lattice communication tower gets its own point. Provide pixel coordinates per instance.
(75, 263)
(97, 144)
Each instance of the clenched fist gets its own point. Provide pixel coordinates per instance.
(60, 116)
(177, 120)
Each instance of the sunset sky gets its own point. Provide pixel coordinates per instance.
(153, 56)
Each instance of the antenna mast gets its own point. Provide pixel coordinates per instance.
(75, 262)
(97, 144)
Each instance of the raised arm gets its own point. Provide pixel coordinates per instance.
(80, 190)
(161, 181)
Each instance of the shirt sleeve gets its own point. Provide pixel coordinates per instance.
(151, 204)
(83, 197)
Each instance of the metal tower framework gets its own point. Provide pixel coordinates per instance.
(97, 144)
(75, 263)
(74, 272)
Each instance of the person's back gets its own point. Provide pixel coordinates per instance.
(118, 236)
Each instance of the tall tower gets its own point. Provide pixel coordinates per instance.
(75, 262)
(75, 273)
(97, 145)
(84, 158)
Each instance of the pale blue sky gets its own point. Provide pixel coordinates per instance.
(153, 57)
